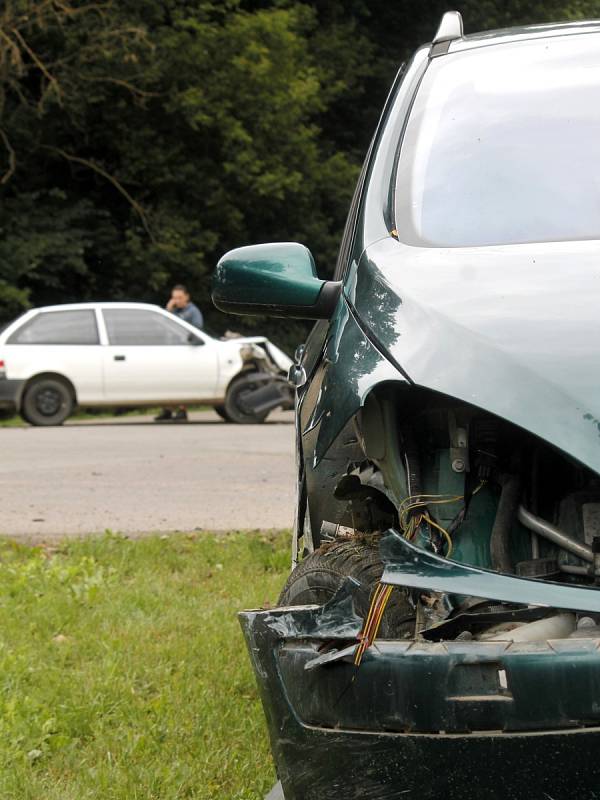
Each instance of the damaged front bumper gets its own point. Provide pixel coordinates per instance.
(429, 719)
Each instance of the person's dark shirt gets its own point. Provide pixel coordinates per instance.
(191, 313)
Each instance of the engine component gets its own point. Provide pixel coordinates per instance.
(507, 507)
(414, 484)
(538, 568)
(370, 508)
(554, 534)
(459, 445)
(596, 554)
(579, 513)
(486, 616)
(330, 531)
(484, 438)
(558, 626)
(591, 521)
(587, 628)
(575, 569)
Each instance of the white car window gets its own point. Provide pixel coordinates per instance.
(58, 327)
(127, 326)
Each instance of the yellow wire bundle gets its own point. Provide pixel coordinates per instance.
(409, 525)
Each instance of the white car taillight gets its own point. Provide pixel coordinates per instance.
(2, 369)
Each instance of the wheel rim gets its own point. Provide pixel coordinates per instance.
(48, 402)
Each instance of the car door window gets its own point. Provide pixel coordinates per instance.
(139, 327)
(58, 327)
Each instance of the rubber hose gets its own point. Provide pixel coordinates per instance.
(505, 514)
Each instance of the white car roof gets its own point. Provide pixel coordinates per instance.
(82, 306)
(527, 32)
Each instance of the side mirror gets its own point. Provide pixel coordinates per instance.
(278, 279)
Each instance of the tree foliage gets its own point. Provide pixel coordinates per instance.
(138, 141)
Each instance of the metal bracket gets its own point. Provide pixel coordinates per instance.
(459, 445)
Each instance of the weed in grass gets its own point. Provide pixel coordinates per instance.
(123, 672)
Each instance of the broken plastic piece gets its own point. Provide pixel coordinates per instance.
(276, 792)
(345, 654)
(334, 620)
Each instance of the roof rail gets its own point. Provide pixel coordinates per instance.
(450, 29)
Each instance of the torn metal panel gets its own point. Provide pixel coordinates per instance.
(351, 367)
(461, 338)
(411, 566)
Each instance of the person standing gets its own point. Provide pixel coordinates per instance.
(180, 304)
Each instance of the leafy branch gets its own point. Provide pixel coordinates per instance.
(12, 158)
(86, 162)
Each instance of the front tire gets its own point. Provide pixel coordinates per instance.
(220, 410)
(318, 577)
(47, 401)
(235, 410)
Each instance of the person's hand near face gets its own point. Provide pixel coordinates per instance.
(179, 299)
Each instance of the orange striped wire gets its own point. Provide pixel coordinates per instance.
(379, 601)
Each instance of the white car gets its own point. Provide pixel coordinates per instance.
(56, 358)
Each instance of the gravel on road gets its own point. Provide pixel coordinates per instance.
(134, 476)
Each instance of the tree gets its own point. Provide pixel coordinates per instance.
(51, 55)
(152, 139)
(139, 141)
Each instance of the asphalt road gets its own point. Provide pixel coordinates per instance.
(135, 476)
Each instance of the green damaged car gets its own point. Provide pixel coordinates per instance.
(439, 634)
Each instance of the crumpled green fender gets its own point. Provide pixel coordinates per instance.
(513, 331)
(351, 366)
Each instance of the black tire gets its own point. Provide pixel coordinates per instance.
(222, 413)
(317, 578)
(234, 408)
(23, 415)
(47, 401)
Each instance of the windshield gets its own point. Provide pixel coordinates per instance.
(503, 147)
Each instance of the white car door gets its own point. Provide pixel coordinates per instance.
(65, 342)
(152, 358)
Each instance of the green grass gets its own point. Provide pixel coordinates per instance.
(123, 671)
(12, 422)
(15, 421)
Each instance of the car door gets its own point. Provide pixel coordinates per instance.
(64, 342)
(151, 357)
